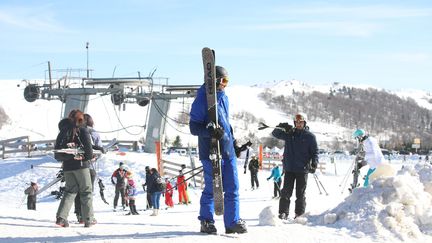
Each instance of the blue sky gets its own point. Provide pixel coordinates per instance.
(387, 44)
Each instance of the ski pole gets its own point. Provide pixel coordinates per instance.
(189, 171)
(347, 175)
(185, 180)
(262, 126)
(319, 189)
(22, 201)
(316, 177)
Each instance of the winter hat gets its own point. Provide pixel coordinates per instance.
(131, 182)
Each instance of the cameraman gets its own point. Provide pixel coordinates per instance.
(300, 158)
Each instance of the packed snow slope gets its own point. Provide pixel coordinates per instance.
(390, 210)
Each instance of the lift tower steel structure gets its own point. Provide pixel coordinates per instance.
(75, 91)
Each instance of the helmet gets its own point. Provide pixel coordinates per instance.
(300, 117)
(358, 133)
(221, 72)
(221, 76)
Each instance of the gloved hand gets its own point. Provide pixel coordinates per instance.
(313, 167)
(268, 178)
(285, 126)
(215, 132)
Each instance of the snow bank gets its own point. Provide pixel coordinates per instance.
(399, 206)
(268, 217)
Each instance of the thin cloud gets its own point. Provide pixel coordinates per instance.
(338, 28)
(30, 19)
(364, 12)
(361, 21)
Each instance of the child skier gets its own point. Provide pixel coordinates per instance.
(131, 193)
(31, 198)
(168, 194)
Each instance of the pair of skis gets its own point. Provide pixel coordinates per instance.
(208, 57)
(60, 175)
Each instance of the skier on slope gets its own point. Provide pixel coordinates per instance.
(96, 144)
(31, 192)
(254, 168)
(201, 126)
(300, 158)
(118, 178)
(372, 153)
(169, 194)
(131, 193)
(277, 180)
(75, 168)
(181, 187)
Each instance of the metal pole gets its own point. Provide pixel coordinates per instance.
(87, 47)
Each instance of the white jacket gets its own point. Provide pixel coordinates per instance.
(373, 154)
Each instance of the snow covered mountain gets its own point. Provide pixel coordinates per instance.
(39, 119)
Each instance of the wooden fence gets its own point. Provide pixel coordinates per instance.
(171, 170)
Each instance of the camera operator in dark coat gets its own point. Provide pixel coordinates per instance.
(300, 158)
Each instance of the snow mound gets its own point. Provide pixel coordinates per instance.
(267, 217)
(399, 206)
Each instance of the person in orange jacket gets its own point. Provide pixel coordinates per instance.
(181, 187)
(169, 194)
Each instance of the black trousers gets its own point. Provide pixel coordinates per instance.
(31, 202)
(300, 181)
(149, 201)
(120, 191)
(254, 179)
(277, 186)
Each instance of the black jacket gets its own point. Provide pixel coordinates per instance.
(151, 184)
(81, 138)
(254, 166)
(300, 149)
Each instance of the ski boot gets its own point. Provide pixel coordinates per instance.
(283, 216)
(62, 222)
(90, 223)
(208, 227)
(239, 228)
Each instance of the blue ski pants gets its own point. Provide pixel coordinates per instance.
(231, 195)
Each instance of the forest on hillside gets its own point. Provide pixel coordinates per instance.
(377, 111)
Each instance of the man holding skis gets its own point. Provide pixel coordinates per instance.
(300, 157)
(201, 126)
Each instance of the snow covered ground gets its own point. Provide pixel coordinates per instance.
(391, 210)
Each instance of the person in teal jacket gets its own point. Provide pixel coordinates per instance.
(277, 180)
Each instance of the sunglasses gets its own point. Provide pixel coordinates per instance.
(223, 81)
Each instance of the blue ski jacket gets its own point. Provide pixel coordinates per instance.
(275, 174)
(199, 120)
(300, 149)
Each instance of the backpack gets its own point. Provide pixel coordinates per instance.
(160, 184)
(64, 137)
